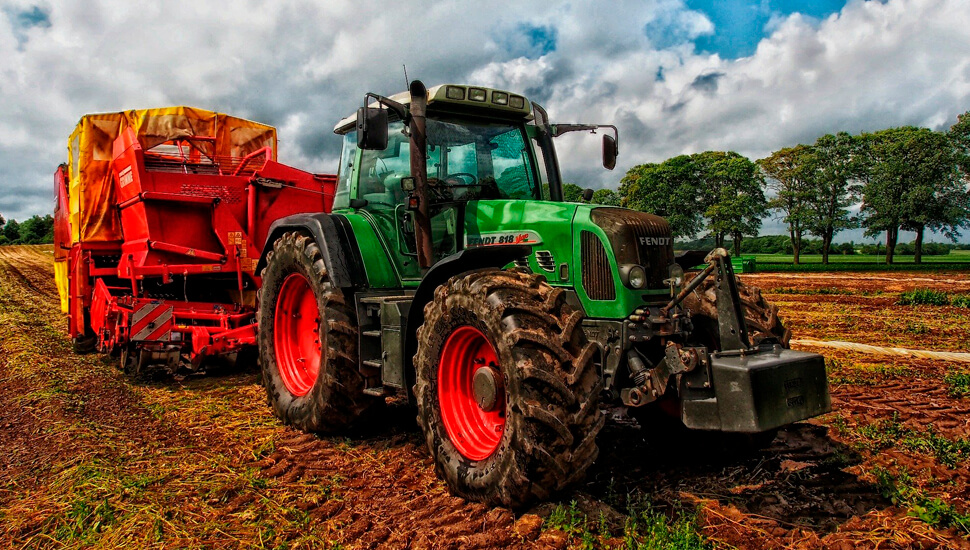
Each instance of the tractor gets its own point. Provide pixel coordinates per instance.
(451, 273)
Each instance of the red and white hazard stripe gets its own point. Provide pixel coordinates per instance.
(152, 322)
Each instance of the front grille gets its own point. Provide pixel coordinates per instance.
(638, 238)
(597, 276)
(545, 260)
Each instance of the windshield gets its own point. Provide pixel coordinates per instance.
(466, 161)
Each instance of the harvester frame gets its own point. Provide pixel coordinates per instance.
(160, 221)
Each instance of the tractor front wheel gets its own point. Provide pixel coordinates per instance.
(507, 392)
(760, 316)
(308, 341)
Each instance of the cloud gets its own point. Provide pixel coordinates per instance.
(303, 65)
(706, 82)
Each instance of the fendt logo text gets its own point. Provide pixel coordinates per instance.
(655, 241)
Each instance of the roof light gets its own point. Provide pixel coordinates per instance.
(455, 92)
(476, 94)
(500, 98)
(517, 102)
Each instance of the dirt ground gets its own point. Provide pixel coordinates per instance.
(88, 459)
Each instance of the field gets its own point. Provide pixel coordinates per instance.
(91, 460)
(956, 259)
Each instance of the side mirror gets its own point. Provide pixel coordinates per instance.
(587, 195)
(372, 128)
(609, 152)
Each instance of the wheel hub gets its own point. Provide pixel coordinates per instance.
(471, 393)
(296, 335)
(486, 385)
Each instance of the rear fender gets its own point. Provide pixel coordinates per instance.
(335, 237)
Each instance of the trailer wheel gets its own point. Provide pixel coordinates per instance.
(308, 341)
(507, 391)
(87, 342)
(83, 345)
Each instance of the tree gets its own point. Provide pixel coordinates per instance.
(37, 230)
(11, 230)
(832, 168)
(606, 197)
(733, 195)
(786, 171)
(572, 192)
(885, 185)
(2, 220)
(959, 136)
(914, 185)
(671, 189)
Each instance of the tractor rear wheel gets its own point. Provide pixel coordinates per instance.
(507, 392)
(308, 341)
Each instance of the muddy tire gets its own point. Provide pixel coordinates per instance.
(82, 345)
(760, 316)
(308, 341)
(532, 430)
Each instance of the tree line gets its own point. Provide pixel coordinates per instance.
(781, 244)
(34, 230)
(907, 178)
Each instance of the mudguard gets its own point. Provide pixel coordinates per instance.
(470, 259)
(335, 237)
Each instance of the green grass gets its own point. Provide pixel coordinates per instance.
(646, 528)
(890, 432)
(957, 383)
(924, 296)
(901, 490)
(956, 260)
(930, 297)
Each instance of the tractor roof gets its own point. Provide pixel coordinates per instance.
(459, 99)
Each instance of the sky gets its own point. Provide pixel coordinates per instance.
(675, 76)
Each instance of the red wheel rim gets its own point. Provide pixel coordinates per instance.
(296, 335)
(475, 432)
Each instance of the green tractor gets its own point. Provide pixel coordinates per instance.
(451, 273)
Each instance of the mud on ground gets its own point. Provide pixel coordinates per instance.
(91, 460)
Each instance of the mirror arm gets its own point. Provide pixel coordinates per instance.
(560, 129)
(399, 109)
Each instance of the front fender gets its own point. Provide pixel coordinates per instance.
(470, 259)
(335, 237)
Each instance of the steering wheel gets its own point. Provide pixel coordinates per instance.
(472, 178)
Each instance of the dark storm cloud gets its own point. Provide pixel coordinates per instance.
(302, 66)
(706, 82)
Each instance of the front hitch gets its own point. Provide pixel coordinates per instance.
(738, 388)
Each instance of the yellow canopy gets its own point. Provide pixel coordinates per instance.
(91, 191)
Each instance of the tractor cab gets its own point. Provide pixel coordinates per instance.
(480, 145)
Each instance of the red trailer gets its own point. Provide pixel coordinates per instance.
(160, 219)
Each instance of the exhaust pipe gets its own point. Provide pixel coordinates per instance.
(419, 171)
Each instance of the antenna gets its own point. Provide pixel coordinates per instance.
(406, 81)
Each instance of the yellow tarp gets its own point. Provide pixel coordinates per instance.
(60, 277)
(93, 215)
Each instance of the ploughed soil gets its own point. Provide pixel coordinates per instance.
(90, 459)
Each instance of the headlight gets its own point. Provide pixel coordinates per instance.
(676, 274)
(634, 276)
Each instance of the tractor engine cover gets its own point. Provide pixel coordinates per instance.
(761, 391)
(638, 238)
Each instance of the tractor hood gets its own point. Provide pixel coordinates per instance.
(580, 245)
